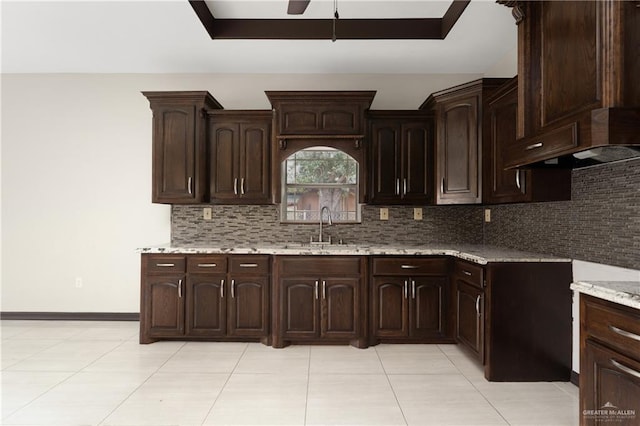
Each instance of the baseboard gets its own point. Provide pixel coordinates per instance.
(575, 378)
(71, 316)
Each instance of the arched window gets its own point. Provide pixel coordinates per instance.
(320, 176)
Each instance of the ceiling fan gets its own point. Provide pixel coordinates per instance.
(297, 7)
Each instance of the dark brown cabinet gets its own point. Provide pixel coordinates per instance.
(401, 157)
(459, 125)
(516, 185)
(468, 284)
(239, 151)
(179, 145)
(578, 65)
(410, 299)
(609, 361)
(210, 301)
(319, 299)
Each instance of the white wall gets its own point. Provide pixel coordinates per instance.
(76, 175)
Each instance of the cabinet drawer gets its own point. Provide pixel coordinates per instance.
(207, 264)
(615, 325)
(410, 266)
(470, 273)
(320, 266)
(249, 265)
(547, 145)
(165, 263)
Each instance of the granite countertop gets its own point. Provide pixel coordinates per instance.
(625, 293)
(480, 254)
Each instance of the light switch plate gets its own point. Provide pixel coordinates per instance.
(384, 213)
(417, 213)
(206, 213)
(487, 215)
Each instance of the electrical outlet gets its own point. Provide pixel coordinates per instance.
(384, 213)
(487, 215)
(78, 282)
(206, 213)
(417, 213)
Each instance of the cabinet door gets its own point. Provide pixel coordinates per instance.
(470, 317)
(175, 178)
(427, 309)
(608, 378)
(417, 163)
(249, 306)
(206, 306)
(390, 307)
(224, 152)
(340, 307)
(164, 305)
(386, 180)
(299, 309)
(254, 162)
(457, 152)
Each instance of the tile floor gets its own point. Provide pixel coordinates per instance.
(96, 373)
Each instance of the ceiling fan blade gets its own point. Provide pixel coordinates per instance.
(297, 7)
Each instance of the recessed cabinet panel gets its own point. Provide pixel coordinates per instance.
(429, 296)
(164, 306)
(206, 305)
(470, 317)
(224, 154)
(300, 316)
(341, 301)
(390, 307)
(459, 146)
(249, 313)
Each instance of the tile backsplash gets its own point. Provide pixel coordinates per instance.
(600, 224)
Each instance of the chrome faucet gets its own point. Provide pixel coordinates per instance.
(322, 210)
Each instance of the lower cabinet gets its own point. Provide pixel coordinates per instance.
(468, 284)
(410, 299)
(609, 362)
(205, 297)
(319, 298)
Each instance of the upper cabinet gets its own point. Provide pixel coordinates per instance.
(578, 64)
(401, 144)
(239, 148)
(179, 145)
(322, 113)
(515, 185)
(459, 124)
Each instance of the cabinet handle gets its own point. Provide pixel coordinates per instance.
(518, 179)
(324, 289)
(242, 186)
(233, 289)
(467, 273)
(534, 146)
(165, 265)
(478, 304)
(235, 186)
(179, 289)
(413, 289)
(207, 265)
(222, 289)
(398, 186)
(442, 186)
(248, 265)
(624, 333)
(316, 290)
(406, 287)
(625, 368)
(190, 185)
(409, 267)
(404, 186)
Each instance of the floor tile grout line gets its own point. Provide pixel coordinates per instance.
(213, 404)
(306, 401)
(101, 422)
(386, 375)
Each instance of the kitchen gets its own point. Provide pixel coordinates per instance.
(96, 209)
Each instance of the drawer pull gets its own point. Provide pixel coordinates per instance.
(409, 266)
(625, 368)
(165, 265)
(207, 265)
(467, 273)
(534, 146)
(624, 333)
(248, 265)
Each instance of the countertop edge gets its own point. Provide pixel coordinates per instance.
(603, 290)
